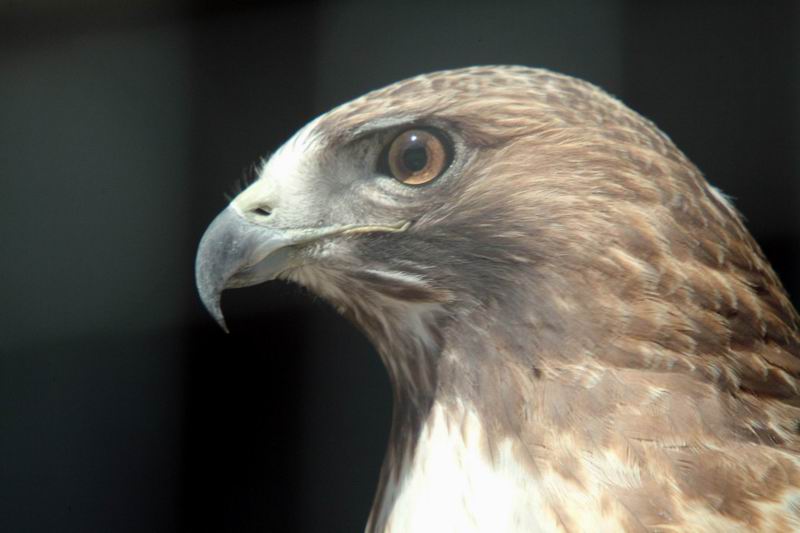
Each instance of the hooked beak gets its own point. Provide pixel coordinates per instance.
(235, 252)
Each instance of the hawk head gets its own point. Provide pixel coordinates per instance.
(530, 203)
(521, 243)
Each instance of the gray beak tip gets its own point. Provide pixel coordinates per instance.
(216, 312)
(211, 299)
(221, 321)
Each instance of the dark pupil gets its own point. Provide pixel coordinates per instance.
(415, 158)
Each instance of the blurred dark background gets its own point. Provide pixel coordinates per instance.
(122, 124)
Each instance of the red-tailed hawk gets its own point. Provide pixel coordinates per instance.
(580, 333)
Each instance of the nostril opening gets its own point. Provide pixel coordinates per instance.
(262, 211)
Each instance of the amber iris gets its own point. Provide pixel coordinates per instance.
(416, 157)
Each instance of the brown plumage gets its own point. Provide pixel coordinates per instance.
(570, 301)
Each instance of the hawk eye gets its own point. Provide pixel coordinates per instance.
(417, 156)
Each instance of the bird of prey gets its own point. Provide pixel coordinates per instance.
(580, 333)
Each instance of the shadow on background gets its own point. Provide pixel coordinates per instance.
(122, 406)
